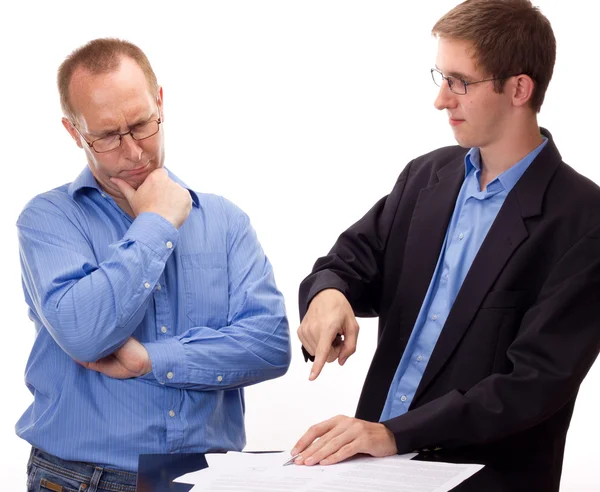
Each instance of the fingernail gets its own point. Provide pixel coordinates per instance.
(298, 459)
(312, 376)
(310, 461)
(293, 452)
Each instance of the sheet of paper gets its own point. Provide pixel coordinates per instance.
(231, 461)
(247, 472)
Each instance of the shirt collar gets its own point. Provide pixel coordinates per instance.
(86, 180)
(508, 179)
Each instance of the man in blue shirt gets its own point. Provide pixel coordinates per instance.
(483, 265)
(153, 305)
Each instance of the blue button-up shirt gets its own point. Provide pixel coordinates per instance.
(201, 299)
(474, 213)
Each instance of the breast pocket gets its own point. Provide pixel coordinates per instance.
(206, 288)
(501, 315)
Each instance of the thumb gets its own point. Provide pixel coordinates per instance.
(124, 187)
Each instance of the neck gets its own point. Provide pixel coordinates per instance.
(503, 154)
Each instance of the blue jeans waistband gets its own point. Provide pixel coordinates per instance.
(95, 475)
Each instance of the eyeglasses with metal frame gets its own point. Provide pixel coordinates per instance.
(456, 84)
(113, 141)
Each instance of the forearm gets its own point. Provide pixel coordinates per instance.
(253, 347)
(207, 359)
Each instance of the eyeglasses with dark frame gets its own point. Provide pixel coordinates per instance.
(112, 141)
(457, 85)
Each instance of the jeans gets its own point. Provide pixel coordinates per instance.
(47, 473)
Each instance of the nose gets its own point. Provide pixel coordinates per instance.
(445, 98)
(131, 148)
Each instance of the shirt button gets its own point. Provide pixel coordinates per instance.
(171, 413)
(147, 285)
(434, 317)
(419, 358)
(102, 195)
(461, 236)
(169, 375)
(163, 329)
(219, 378)
(169, 244)
(403, 398)
(158, 286)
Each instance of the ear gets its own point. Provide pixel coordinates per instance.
(523, 89)
(159, 101)
(72, 131)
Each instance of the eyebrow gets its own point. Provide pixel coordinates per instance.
(456, 75)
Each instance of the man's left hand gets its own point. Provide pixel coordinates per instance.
(131, 360)
(340, 438)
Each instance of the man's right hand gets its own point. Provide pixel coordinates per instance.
(328, 315)
(159, 194)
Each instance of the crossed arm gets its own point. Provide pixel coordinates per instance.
(92, 309)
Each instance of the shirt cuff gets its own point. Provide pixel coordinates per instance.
(168, 361)
(154, 231)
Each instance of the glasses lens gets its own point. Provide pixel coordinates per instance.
(145, 130)
(457, 85)
(107, 143)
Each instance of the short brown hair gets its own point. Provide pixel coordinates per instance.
(509, 37)
(100, 56)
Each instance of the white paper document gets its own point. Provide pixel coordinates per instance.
(247, 472)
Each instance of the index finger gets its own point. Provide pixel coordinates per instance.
(321, 355)
(311, 434)
(125, 188)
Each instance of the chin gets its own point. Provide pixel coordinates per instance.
(136, 181)
(464, 141)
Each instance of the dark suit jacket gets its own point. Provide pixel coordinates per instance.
(523, 332)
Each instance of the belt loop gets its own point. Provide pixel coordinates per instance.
(30, 461)
(29, 466)
(95, 480)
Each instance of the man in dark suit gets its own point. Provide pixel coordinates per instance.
(483, 265)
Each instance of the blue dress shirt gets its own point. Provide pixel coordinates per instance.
(474, 213)
(201, 299)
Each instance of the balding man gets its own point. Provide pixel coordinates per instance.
(153, 305)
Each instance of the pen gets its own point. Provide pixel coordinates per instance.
(291, 460)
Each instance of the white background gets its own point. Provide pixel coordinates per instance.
(303, 113)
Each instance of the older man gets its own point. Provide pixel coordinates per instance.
(153, 305)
